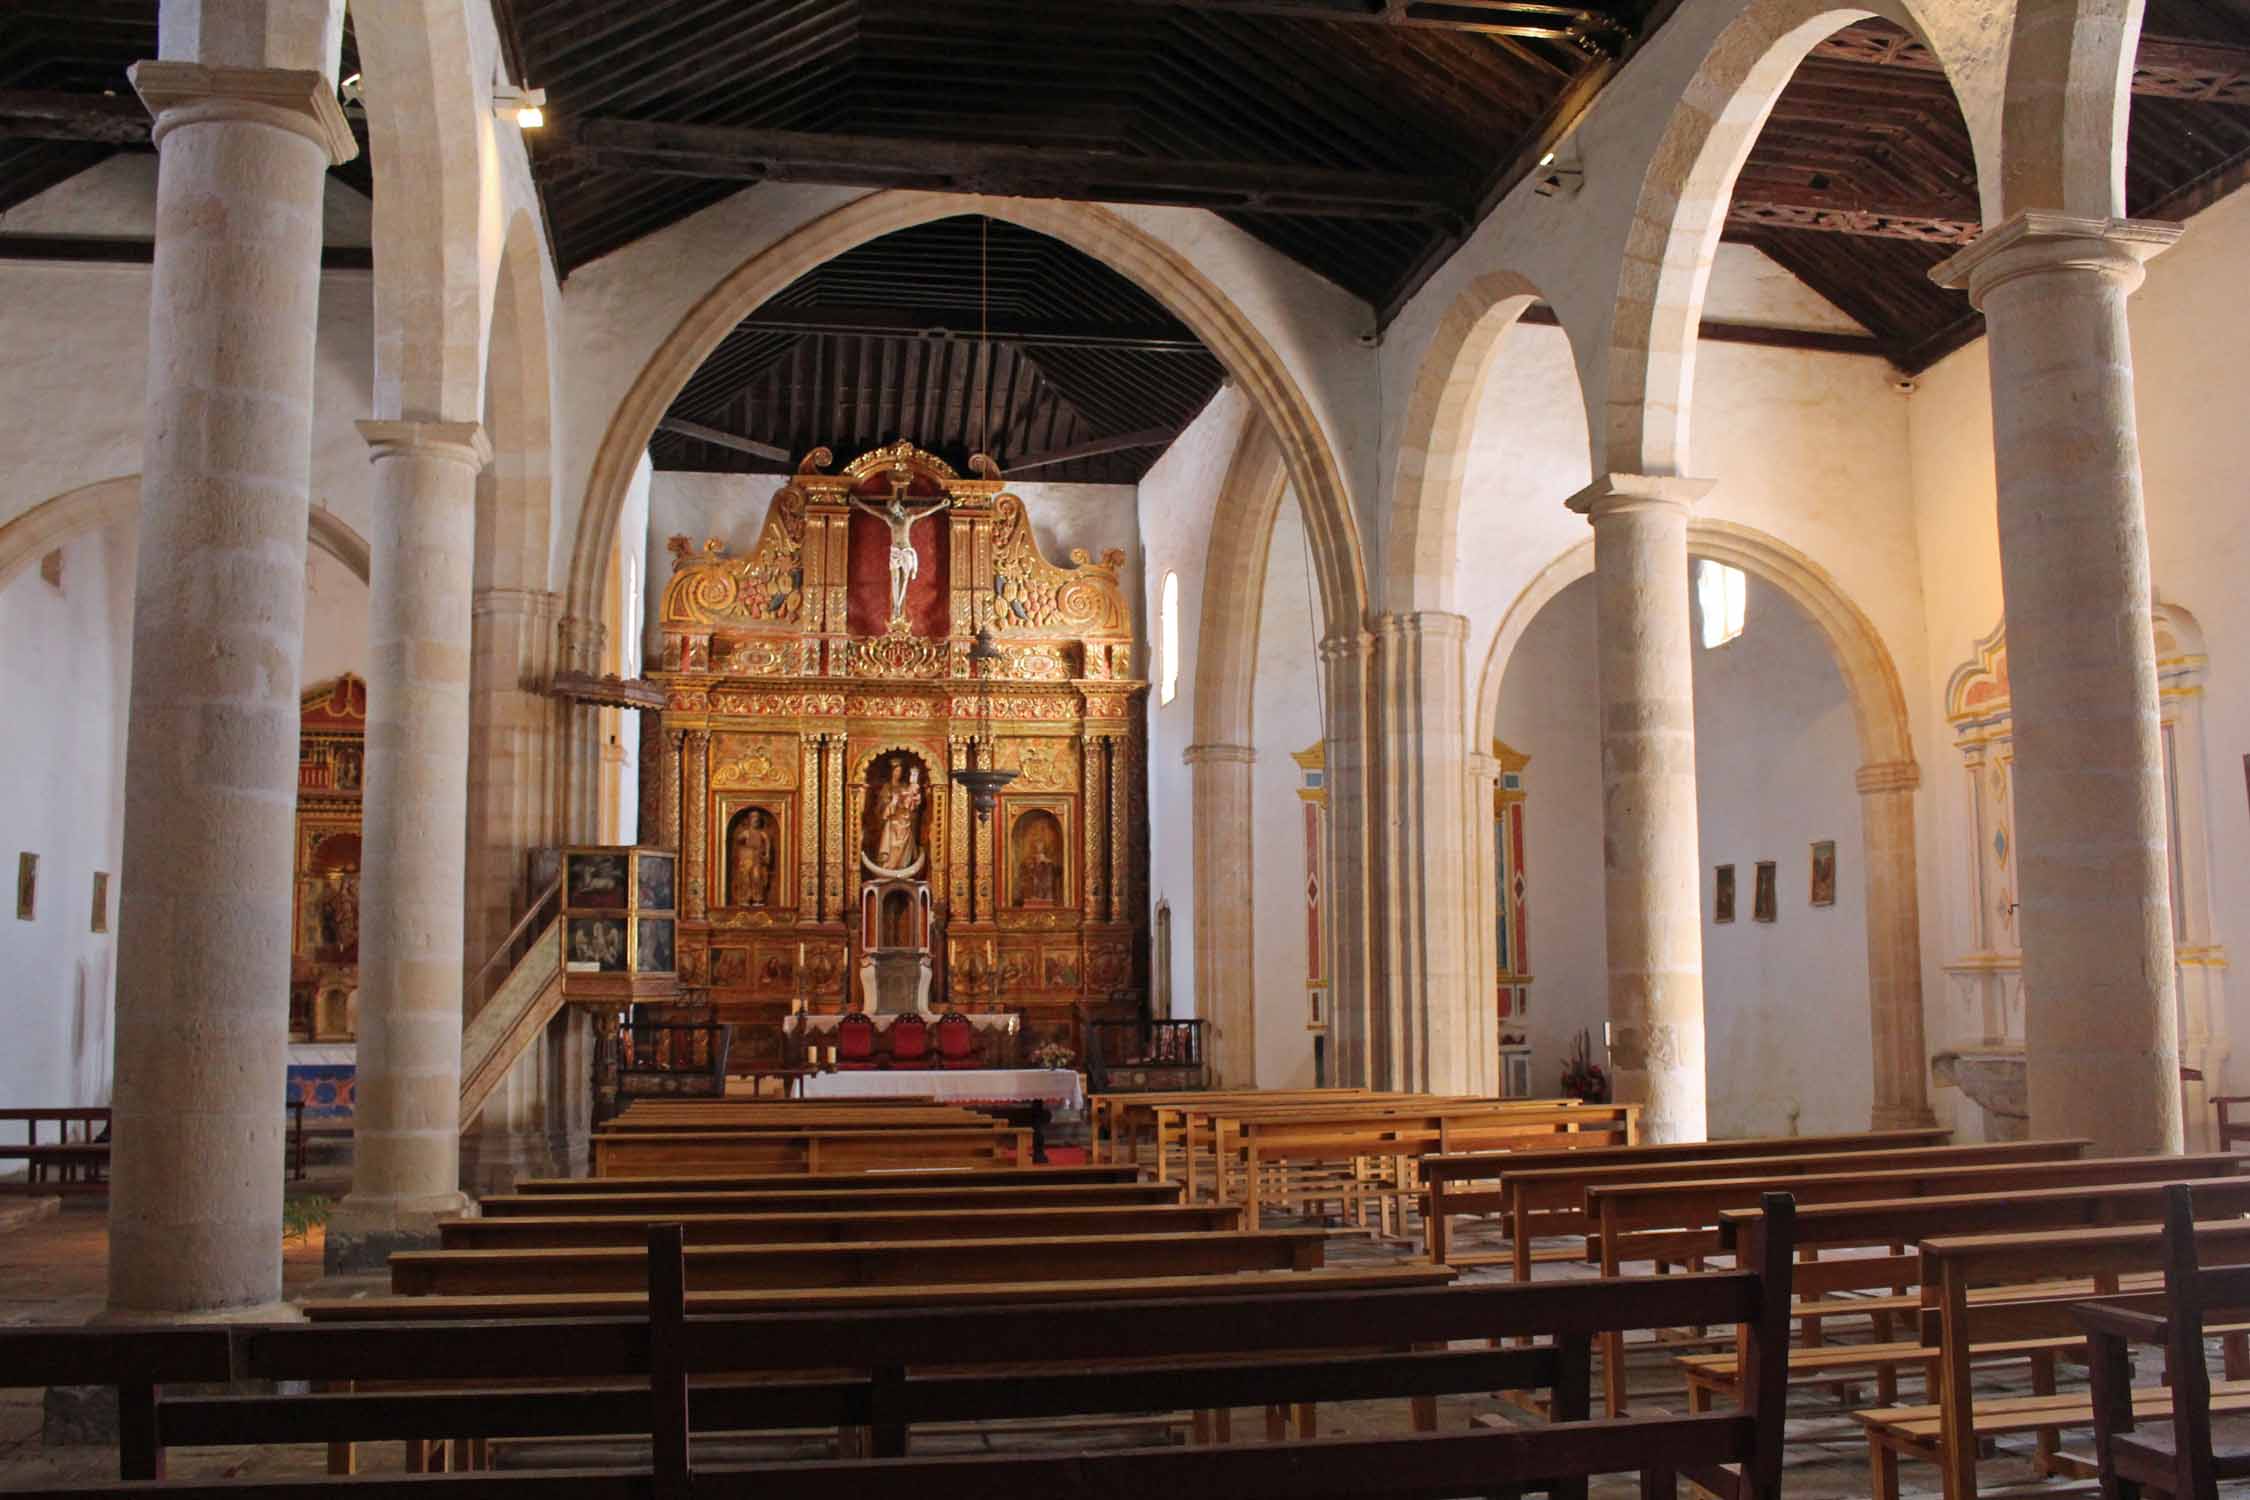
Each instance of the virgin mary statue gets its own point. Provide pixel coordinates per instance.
(898, 805)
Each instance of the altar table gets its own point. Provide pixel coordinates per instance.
(1057, 1088)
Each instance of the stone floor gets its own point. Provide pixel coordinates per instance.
(52, 1269)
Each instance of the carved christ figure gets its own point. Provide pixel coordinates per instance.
(898, 849)
(905, 562)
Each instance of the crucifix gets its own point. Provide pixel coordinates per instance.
(904, 561)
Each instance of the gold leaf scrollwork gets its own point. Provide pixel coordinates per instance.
(1033, 595)
(765, 588)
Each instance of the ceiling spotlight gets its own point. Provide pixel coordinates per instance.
(524, 106)
(351, 91)
(1558, 176)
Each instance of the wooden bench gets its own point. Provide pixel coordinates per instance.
(2177, 1457)
(75, 1161)
(1169, 1121)
(1545, 1195)
(753, 1228)
(1404, 1138)
(449, 1272)
(1985, 1286)
(1212, 1126)
(1217, 1351)
(665, 1154)
(1115, 1122)
(652, 1206)
(964, 1177)
(1676, 1223)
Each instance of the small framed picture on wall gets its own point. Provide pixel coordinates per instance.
(101, 901)
(1722, 895)
(1824, 873)
(1762, 907)
(27, 886)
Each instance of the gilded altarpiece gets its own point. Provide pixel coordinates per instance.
(819, 696)
(324, 946)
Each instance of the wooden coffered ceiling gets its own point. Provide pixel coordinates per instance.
(1361, 138)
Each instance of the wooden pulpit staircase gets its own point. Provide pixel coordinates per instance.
(520, 1008)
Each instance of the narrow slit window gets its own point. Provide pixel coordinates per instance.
(1721, 598)
(1168, 611)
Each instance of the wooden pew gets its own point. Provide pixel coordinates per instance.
(966, 1177)
(1406, 1137)
(451, 1272)
(813, 1150)
(1447, 1174)
(1676, 1223)
(2178, 1458)
(553, 1233)
(1261, 1357)
(1548, 1194)
(1979, 1287)
(1219, 1128)
(1115, 1121)
(1168, 1121)
(652, 1206)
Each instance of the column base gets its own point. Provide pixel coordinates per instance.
(364, 1231)
(1902, 1117)
(496, 1162)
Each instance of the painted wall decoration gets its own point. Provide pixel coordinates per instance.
(1824, 873)
(1312, 790)
(1764, 902)
(818, 701)
(1511, 883)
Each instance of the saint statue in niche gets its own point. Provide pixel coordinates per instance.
(1039, 874)
(897, 806)
(905, 562)
(750, 859)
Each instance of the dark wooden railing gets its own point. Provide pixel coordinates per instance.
(1170, 1052)
(658, 1059)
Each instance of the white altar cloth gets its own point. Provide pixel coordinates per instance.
(1058, 1088)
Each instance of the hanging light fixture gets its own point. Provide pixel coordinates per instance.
(983, 782)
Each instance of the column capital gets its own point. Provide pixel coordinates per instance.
(1239, 755)
(522, 603)
(294, 99)
(1425, 622)
(1345, 644)
(1616, 494)
(462, 442)
(1888, 776)
(1483, 767)
(2036, 242)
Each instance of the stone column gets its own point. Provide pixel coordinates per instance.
(1651, 863)
(1360, 1050)
(406, 1150)
(218, 614)
(2100, 1031)
(1421, 899)
(1894, 945)
(1225, 910)
(580, 732)
(512, 763)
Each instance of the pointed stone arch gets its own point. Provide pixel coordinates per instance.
(108, 502)
(1886, 778)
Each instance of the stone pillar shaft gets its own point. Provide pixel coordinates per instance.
(1894, 946)
(2100, 1028)
(1225, 910)
(211, 765)
(407, 1137)
(1650, 858)
(1481, 881)
(1360, 1052)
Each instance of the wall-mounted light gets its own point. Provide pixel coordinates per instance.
(1558, 175)
(351, 91)
(527, 107)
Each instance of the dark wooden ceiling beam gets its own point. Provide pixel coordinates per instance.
(735, 154)
(115, 250)
(681, 427)
(96, 119)
(1583, 26)
(1152, 437)
(2165, 67)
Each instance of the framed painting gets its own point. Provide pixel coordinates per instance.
(1824, 873)
(597, 880)
(1038, 853)
(597, 945)
(101, 901)
(27, 886)
(1762, 907)
(655, 883)
(652, 946)
(1722, 895)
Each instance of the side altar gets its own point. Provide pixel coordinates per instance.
(823, 693)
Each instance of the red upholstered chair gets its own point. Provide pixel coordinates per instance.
(855, 1043)
(910, 1042)
(956, 1041)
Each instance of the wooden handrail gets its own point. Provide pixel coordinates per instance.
(552, 892)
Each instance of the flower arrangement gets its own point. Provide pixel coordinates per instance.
(1582, 1077)
(1053, 1055)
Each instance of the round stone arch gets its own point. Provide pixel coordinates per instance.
(2068, 100)
(1420, 551)
(1116, 242)
(1642, 424)
(107, 502)
(429, 138)
(1887, 777)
